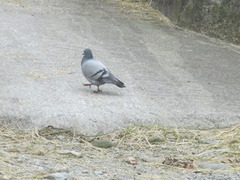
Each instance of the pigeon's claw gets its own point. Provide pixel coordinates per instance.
(98, 90)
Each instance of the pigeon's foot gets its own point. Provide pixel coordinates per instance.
(87, 85)
(98, 90)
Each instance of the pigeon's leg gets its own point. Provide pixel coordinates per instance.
(87, 85)
(98, 90)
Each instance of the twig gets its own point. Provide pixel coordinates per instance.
(147, 141)
(232, 129)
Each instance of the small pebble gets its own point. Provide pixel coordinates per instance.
(213, 166)
(98, 173)
(84, 171)
(57, 176)
(131, 160)
(73, 153)
(102, 143)
(155, 139)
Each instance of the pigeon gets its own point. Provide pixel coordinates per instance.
(96, 72)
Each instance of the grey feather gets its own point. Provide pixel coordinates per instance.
(96, 72)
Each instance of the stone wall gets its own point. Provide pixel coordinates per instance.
(216, 18)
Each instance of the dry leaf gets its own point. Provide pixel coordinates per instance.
(188, 164)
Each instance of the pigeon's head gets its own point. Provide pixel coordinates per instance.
(87, 54)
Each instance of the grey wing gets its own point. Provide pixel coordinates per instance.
(95, 71)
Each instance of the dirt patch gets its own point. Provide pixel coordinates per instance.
(137, 152)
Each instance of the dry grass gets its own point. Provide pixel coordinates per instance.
(133, 136)
(218, 145)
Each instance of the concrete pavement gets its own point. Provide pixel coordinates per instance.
(173, 78)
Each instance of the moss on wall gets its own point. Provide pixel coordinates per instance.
(216, 18)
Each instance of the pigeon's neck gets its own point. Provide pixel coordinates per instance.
(86, 58)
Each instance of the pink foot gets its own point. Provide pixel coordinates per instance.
(87, 85)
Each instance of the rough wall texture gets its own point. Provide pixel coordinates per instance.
(216, 18)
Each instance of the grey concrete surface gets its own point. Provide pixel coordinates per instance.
(173, 78)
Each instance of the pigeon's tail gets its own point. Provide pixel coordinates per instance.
(119, 83)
